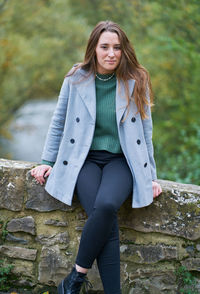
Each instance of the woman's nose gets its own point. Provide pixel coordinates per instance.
(111, 53)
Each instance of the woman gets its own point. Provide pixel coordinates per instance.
(100, 145)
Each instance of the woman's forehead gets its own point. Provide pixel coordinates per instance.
(109, 37)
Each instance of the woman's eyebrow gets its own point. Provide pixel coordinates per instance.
(118, 44)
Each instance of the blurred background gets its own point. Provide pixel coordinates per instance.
(40, 41)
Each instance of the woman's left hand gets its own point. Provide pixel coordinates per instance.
(157, 190)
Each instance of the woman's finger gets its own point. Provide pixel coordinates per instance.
(48, 172)
(33, 171)
(40, 173)
(156, 189)
(155, 194)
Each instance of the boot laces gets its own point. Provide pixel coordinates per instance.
(87, 284)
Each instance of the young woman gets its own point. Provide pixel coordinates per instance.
(99, 144)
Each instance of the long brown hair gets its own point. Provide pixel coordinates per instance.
(128, 68)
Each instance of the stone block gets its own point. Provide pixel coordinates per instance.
(12, 183)
(48, 240)
(192, 264)
(38, 199)
(148, 278)
(23, 268)
(155, 285)
(24, 224)
(53, 266)
(18, 252)
(132, 271)
(176, 212)
(147, 253)
(24, 283)
(12, 238)
(56, 223)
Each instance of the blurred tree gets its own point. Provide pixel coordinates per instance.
(2, 3)
(39, 41)
(166, 37)
(177, 116)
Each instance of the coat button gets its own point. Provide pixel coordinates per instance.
(133, 119)
(72, 141)
(145, 165)
(138, 142)
(65, 162)
(77, 119)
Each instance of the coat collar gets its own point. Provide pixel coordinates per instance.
(121, 101)
(87, 91)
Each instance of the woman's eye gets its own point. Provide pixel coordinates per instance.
(106, 47)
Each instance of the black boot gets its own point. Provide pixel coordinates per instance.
(73, 282)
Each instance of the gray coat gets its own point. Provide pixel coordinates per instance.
(71, 132)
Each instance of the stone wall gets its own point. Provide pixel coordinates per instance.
(40, 235)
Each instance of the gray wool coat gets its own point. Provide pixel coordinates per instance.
(71, 132)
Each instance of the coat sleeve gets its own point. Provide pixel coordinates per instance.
(148, 129)
(56, 127)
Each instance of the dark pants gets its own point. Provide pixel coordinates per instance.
(103, 184)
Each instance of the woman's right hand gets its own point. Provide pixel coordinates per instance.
(41, 172)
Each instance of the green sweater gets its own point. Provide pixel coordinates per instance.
(105, 134)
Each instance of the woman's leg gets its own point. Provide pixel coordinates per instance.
(114, 188)
(86, 188)
(109, 262)
(87, 185)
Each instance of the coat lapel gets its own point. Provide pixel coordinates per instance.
(87, 92)
(121, 101)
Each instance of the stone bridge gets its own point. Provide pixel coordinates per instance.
(40, 235)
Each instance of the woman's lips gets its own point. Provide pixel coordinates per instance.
(110, 61)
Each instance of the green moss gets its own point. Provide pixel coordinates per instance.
(4, 232)
(5, 274)
(186, 281)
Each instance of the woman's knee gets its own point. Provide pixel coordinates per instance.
(106, 208)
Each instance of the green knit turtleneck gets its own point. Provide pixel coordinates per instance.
(106, 134)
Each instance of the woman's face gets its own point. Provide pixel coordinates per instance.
(108, 53)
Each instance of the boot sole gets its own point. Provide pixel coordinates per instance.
(61, 289)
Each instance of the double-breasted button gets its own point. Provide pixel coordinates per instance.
(72, 141)
(65, 162)
(145, 165)
(77, 119)
(138, 142)
(133, 119)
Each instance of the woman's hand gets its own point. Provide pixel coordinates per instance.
(156, 189)
(41, 172)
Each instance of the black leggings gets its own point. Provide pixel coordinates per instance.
(103, 184)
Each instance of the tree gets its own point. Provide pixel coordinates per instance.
(167, 42)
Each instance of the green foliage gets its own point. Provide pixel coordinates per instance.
(167, 41)
(5, 274)
(4, 232)
(186, 281)
(183, 165)
(40, 40)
